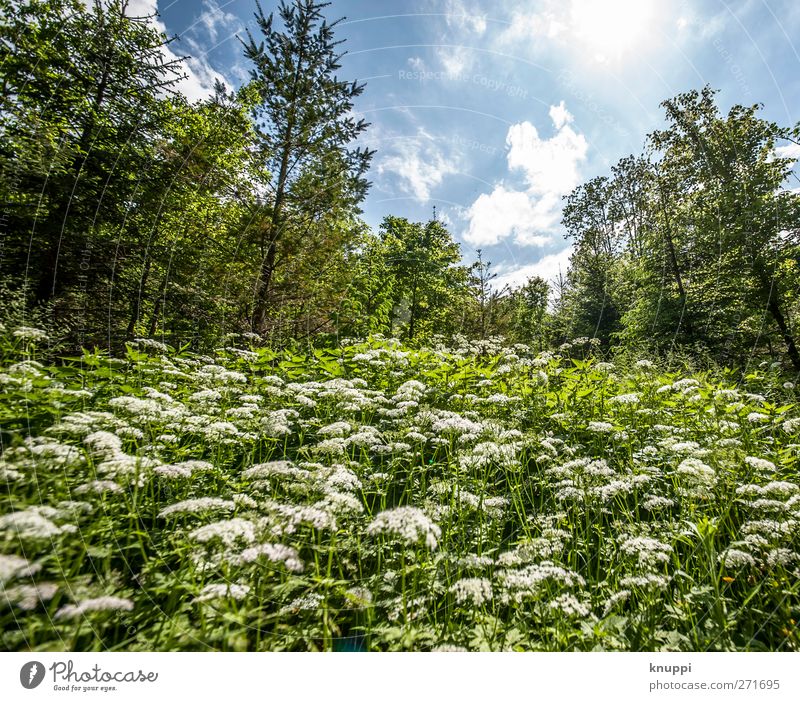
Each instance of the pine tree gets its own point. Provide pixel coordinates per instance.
(305, 128)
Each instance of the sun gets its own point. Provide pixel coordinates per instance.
(611, 29)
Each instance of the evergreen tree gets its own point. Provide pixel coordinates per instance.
(305, 130)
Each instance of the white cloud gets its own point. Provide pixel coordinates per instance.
(214, 18)
(200, 76)
(547, 267)
(550, 165)
(551, 170)
(419, 164)
(789, 151)
(526, 26)
(504, 213)
(455, 60)
(460, 15)
(416, 63)
(560, 115)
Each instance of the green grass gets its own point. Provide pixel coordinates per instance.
(250, 501)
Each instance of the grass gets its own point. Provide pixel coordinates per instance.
(372, 497)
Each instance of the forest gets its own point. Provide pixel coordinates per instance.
(236, 417)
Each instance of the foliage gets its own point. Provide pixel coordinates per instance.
(689, 244)
(372, 497)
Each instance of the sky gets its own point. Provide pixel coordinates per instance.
(492, 111)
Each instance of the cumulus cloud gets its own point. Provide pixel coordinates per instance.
(214, 18)
(419, 165)
(200, 75)
(550, 167)
(789, 151)
(504, 213)
(548, 267)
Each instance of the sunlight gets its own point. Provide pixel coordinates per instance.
(611, 28)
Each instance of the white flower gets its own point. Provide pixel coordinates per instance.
(649, 580)
(275, 552)
(528, 581)
(13, 566)
(600, 427)
(760, 464)
(647, 551)
(29, 333)
(29, 596)
(757, 417)
(338, 428)
(197, 505)
(614, 600)
(102, 603)
(733, 558)
(697, 473)
(409, 524)
(475, 590)
(309, 602)
(98, 487)
(632, 398)
(210, 592)
(30, 524)
(227, 532)
(569, 605)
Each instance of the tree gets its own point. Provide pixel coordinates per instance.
(429, 280)
(305, 130)
(83, 96)
(693, 243)
(482, 281)
(530, 312)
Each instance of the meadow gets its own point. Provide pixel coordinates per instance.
(374, 497)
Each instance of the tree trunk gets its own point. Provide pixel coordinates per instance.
(777, 315)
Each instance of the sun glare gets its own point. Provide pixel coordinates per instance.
(610, 29)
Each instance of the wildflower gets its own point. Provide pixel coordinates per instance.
(760, 464)
(647, 551)
(733, 558)
(211, 592)
(475, 590)
(13, 566)
(697, 473)
(571, 606)
(33, 525)
(30, 333)
(615, 599)
(757, 417)
(308, 602)
(227, 532)
(98, 487)
(274, 552)
(632, 398)
(338, 428)
(99, 604)
(600, 427)
(28, 596)
(197, 505)
(409, 524)
(358, 597)
(648, 580)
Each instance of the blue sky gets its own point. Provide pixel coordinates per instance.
(492, 111)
